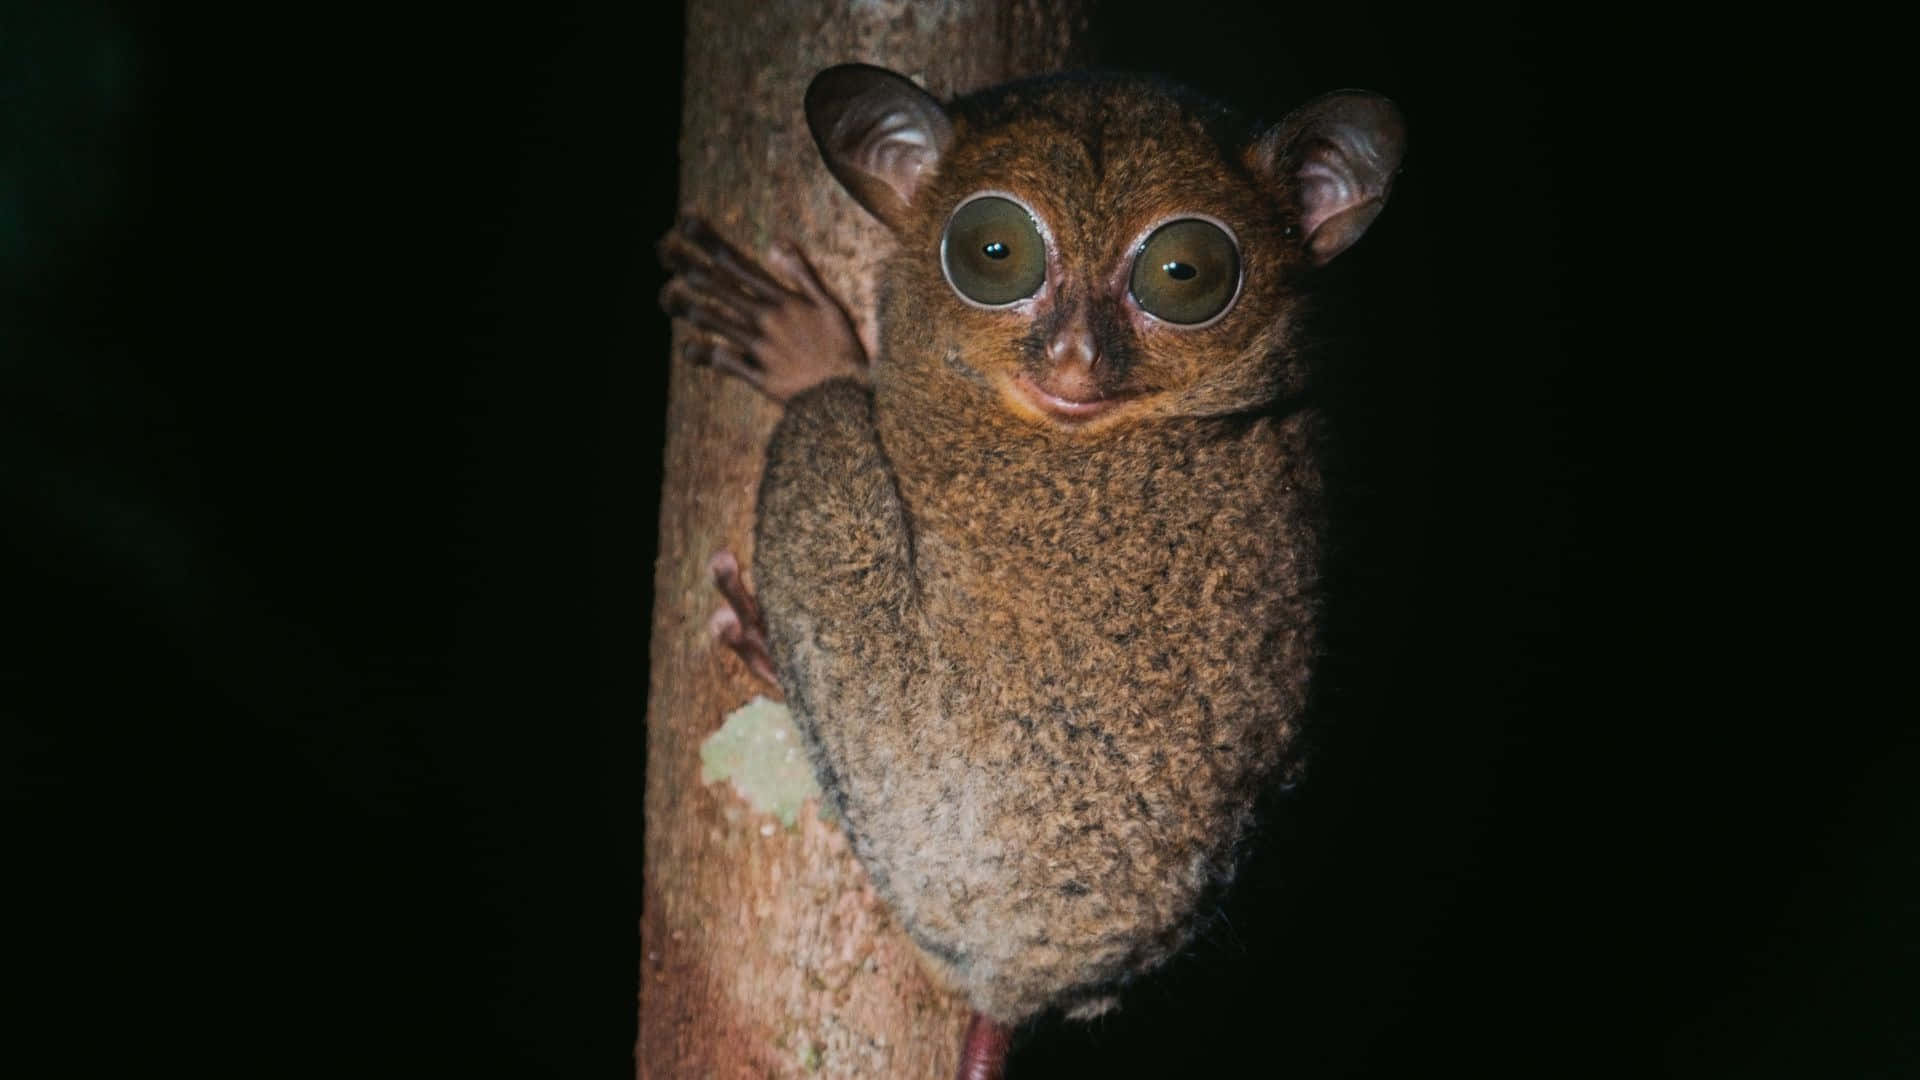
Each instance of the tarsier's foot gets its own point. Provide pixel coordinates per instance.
(739, 625)
(781, 339)
(983, 1054)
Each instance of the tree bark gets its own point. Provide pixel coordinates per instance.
(764, 952)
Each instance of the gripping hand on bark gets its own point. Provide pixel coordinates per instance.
(782, 337)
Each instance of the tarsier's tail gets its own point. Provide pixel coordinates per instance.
(984, 1055)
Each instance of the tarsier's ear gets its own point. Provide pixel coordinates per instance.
(880, 134)
(1341, 152)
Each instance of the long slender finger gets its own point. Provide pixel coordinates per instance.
(791, 261)
(724, 289)
(682, 301)
(733, 363)
(700, 283)
(726, 259)
(678, 253)
(683, 256)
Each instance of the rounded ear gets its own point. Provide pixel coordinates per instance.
(1339, 154)
(880, 134)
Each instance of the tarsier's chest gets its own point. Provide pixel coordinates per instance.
(1118, 605)
(1116, 651)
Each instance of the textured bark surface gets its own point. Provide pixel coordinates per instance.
(764, 953)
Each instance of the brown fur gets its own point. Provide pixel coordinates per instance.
(1044, 670)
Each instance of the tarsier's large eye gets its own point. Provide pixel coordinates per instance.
(992, 251)
(1186, 272)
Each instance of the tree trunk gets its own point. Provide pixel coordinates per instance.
(764, 952)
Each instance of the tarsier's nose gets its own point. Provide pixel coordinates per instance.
(1070, 386)
(1073, 348)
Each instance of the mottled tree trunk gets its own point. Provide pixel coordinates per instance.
(764, 953)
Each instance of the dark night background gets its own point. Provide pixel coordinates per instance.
(331, 393)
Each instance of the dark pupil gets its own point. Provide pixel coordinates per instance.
(996, 250)
(1179, 271)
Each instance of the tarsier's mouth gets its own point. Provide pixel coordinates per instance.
(1058, 406)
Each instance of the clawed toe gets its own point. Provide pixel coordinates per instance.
(739, 625)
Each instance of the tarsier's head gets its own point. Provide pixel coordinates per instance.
(1088, 250)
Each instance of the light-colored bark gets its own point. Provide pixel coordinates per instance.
(764, 953)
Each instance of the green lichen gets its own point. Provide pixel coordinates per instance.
(759, 750)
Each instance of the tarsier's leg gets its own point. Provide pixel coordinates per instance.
(833, 558)
(983, 1056)
(739, 625)
(831, 549)
(832, 542)
(781, 336)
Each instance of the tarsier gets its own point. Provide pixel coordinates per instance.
(1039, 582)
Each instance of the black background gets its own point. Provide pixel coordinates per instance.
(329, 439)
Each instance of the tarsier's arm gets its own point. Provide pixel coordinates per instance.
(831, 547)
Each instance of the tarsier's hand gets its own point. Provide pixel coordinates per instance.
(781, 339)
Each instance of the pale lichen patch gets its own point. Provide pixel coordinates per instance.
(759, 750)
